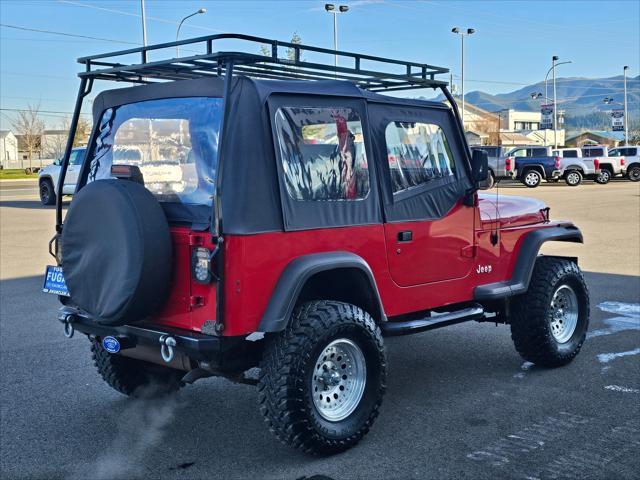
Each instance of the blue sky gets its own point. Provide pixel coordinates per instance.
(512, 46)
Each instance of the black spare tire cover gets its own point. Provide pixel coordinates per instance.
(116, 252)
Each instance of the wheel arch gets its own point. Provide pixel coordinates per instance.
(574, 167)
(322, 276)
(536, 166)
(527, 256)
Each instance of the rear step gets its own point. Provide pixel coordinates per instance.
(390, 329)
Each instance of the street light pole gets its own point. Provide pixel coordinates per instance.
(331, 8)
(546, 92)
(198, 12)
(555, 107)
(144, 24)
(457, 31)
(626, 119)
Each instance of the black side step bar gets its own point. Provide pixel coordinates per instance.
(392, 328)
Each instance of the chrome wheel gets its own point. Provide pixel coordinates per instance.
(573, 178)
(532, 179)
(604, 176)
(564, 313)
(338, 381)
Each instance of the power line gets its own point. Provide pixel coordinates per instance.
(130, 14)
(50, 32)
(39, 111)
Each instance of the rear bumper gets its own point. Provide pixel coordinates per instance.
(193, 344)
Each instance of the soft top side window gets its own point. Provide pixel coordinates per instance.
(323, 153)
(418, 153)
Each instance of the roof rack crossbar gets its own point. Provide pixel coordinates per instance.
(211, 62)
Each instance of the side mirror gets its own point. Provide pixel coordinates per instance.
(479, 167)
(57, 162)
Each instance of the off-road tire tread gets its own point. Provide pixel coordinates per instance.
(281, 395)
(128, 376)
(529, 329)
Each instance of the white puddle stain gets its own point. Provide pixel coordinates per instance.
(618, 388)
(628, 319)
(607, 357)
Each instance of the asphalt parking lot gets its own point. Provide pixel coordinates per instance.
(460, 403)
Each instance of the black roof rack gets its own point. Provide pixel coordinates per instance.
(366, 71)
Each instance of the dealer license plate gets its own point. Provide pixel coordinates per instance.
(54, 281)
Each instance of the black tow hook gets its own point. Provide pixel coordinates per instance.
(67, 319)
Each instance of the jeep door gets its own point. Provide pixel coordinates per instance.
(428, 231)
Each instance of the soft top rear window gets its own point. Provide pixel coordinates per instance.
(173, 141)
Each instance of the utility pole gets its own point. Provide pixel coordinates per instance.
(144, 24)
(626, 119)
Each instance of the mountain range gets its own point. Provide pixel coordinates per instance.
(577, 96)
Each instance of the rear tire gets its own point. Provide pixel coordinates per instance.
(549, 322)
(634, 173)
(47, 193)
(531, 178)
(604, 177)
(573, 178)
(322, 379)
(133, 377)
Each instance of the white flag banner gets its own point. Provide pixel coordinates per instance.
(617, 120)
(546, 122)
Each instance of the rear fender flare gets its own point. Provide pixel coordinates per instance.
(296, 274)
(527, 255)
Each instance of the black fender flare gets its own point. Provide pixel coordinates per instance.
(521, 276)
(292, 280)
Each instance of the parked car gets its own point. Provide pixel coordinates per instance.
(324, 217)
(496, 155)
(48, 177)
(532, 170)
(609, 166)
(574, 168)
(631, 159)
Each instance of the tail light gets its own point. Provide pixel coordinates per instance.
(622, 162)
(557, 163)
(596, 164)
(507, 164)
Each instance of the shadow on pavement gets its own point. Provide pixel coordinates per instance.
(29, 204)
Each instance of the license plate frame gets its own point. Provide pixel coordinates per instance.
(54, 281)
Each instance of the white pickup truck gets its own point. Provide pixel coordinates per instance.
(609, 166)
(48, 177)
(575, 167)
(631, 159)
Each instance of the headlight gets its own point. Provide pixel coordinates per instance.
(201, 265)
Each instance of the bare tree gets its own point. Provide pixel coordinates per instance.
(30, 126)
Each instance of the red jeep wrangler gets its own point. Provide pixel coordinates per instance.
(239, 210)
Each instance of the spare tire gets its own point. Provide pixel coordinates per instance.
(116, 252)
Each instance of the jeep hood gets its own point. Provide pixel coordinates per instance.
(512, 211)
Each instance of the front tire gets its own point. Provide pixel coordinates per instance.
(573, 178)
(549, 322)
(531, 178)
(132, 377)
(322, 379)
(47, 193)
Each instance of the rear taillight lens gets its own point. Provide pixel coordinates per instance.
(201, 265)
(557, 163)
(507, 164)
(622, 162)
(596, 164)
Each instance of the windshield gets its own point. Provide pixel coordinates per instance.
(173, 141)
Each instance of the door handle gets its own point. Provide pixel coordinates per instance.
(405, 236)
